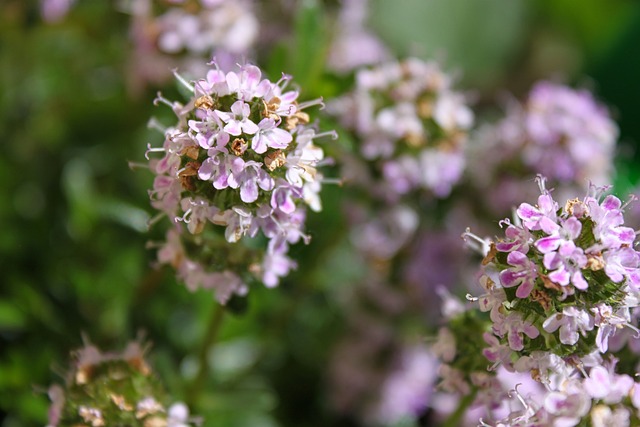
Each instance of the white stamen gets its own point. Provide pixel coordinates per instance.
(541, 180)
(162, 100)
(284, 81)
(182, 80)
(471, 298)
(504, 222)
(153, 123)
(151, 149)
(632, 198)
(136, 165)
(331, 133)
(307, 104)
(155, 219)
(339, 182)
(186, 218)
(475, 242)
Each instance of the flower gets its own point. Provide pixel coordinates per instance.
(571, 322)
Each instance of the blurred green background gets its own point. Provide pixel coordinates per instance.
(73, 254)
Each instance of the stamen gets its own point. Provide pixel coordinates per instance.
(327, 161)
(475, 242)
(151, 149)
(162, 100)
(541, 180)
(339, 182)
(307, 104)
(331, 133)
(186, 218)
(504, 222)
(153, 123)
(284, 81)
(471, 298)
(136, 165)
(632, 198)
(182, 80)
(152, 221)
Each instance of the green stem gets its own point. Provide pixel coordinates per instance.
(455, 418)
(208, 343)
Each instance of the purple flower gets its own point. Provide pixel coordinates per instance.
(569, 230)
(572, 322)
(566, 263)
(274, 266)
(248, 85)
(269, 135)
(496, 352)
(540, 217)
(623, 263)
(522, 274)
(608, 218)
(492, 300)
(252, 177)
(514, 326)
(603, 384)
(282, 197)
(517, 239)
(209, 133)
(238, 122)
(567, 408)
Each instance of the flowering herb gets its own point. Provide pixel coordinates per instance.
(564, 279)
(114, 389)
(239, 166)
(411, 124)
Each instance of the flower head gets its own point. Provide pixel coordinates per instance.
(240, 162)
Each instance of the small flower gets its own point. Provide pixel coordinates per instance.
(566, 264)
(517, 239)
(523, 274)
(572, 322)
(540, 217)
(238, 122)
(514, 327)
(270, 136)
(603, 384)
(496, 352)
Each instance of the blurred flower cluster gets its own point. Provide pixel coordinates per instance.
(105, 389)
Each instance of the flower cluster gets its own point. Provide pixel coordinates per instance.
(353, 45)
(600, 398)
(411, 124)
(185, 33)
(562, 280)
(105, 389)
(558, 132)
(206, 25)
(240, 163)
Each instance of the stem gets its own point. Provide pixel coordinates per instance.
(207, 345)
(456, 416)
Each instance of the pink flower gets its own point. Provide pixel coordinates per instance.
(572, 322)
(523, 274)
(238, 122)
(270, 136)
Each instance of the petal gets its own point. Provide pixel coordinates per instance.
(553, 322)
(249, 191)
(548, 244)
(249, 127)
(258, 144)
(569, 334)
(233, 128)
